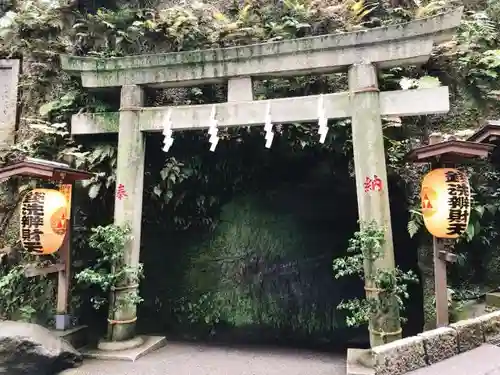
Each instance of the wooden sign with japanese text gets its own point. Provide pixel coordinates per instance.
(43, 221)
(446, 202)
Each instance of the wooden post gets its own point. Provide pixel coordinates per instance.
(371, 186)
(440, 282)
(128, 205)
(63, 319)
(438, 246)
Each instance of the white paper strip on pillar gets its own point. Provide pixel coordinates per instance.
(322, 120)
(268, 126)
(167, 131)
(212, 130)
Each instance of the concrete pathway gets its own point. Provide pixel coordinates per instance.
(484, 360)
(197, 359)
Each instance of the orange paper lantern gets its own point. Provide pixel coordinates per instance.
(44, 221)
(446, 202)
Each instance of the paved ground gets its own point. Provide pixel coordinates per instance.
(196, 359)
(484, 360)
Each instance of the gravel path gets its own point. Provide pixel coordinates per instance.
(196, 359)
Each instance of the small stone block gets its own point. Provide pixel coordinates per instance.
(470, 334)
(440, 344)
(63, 322)
(400, 357)
(354, 367)
(490, 325)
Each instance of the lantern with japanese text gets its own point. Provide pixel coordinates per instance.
(44, 215)
(446, 202)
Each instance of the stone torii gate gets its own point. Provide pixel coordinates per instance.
(360, 52)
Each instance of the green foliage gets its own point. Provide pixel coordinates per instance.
(425, 82)
(365, 249)
(27, 299)
(110, 271)
(415, 223)
(102, 160)
(478, 56)
(263, 266)
(223, 280)
(62, 105)
(33, 26)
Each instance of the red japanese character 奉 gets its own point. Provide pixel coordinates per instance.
(121, 192)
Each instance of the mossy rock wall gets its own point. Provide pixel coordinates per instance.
(265, 272)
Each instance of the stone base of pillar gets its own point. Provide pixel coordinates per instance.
(113, 346)
(130, 350)
(359, 362)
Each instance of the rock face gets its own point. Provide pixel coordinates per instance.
(29, 349)
(470, 334)
(440, 344)
(490, 324)
(399, 357)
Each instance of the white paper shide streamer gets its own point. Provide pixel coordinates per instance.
(167, 131)
(212, 130)
(268, 126)
(322, 120)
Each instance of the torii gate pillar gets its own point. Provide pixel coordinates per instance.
(128, 205)
(371, 181)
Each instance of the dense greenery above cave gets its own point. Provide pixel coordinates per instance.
(193, 194)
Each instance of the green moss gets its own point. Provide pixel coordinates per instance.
(257, 269)
(107, 121)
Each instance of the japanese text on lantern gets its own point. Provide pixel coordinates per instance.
(32, 219)
(458, 201)
(374, 184)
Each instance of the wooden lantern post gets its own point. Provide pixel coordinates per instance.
(65, 176)
(445, 154)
